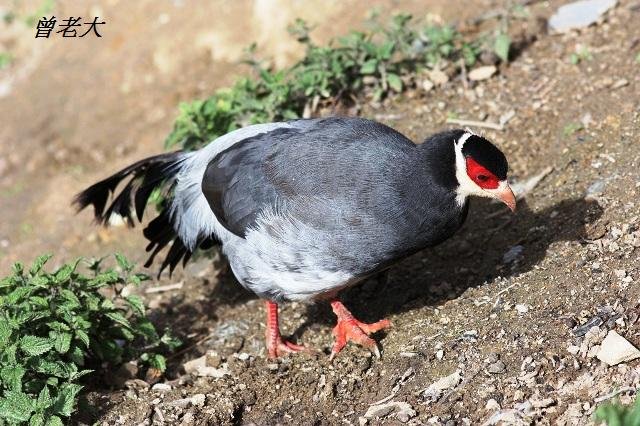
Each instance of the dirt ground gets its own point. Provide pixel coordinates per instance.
(511, 312)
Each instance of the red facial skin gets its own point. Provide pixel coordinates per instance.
(480, 175)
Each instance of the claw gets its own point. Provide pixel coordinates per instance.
(281, 347)
(349, 328)
(276, 345)
(376, 351)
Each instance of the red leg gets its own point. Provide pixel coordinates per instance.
(349, 328)
(275, 345)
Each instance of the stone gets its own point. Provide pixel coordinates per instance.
(595, 189)
(127, 371)
(427, 85)
(192, 366)
(482, 73)
(217, 373)
(579, 14)
(620, 83)
(438, 77)
(615, 349)
(402, 410)
(512, 254)
(136, 384)
(436, 388)
(199, 367)
(198, 399)
(497, 367)
(542, 403)
(161, 387)
(492, 405)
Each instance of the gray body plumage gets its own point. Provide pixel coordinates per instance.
(307, 207)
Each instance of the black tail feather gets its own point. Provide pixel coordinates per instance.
(147, 175)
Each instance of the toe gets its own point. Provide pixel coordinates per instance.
(292, 347)
(376, 326)
(284, 347)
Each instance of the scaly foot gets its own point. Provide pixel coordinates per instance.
(349, 328)
(276, 346)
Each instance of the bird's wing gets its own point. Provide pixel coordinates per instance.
(322, 170)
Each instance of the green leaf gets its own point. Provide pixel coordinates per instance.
(7, 282)
(55, 421)
(66, 399)
(34, 345)
(136, 304)
(71, 300)
(38, 301)
(64, 273)
(394, 82)
(80, 374)
(574, 59)
(9, 353)
(16, 406)
(42, 281)
(44, 399)
(58, 326)
(37, 419)
(386, 49)
(16, 295)
(501, 46)
(83, 337)
(158, 362)
(51, 368)
(147, 329)
(11, 376)
(5, 333)
(123, 262)
(369, 67)
(18, 268)
(39, 263)
(170, 341)
(76, 355)
(140, 277)
(118, 318)
(62, 341)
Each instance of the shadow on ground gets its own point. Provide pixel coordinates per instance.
(471, 258)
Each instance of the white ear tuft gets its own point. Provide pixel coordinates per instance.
(460, 142)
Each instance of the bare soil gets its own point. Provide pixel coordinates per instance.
(503, 304)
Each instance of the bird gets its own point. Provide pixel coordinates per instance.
(306, 208)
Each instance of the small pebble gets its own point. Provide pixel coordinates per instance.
(497, 367)
(482, 73)
(492, 405)
(161, 387)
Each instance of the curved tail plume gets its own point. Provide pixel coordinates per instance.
(144, 177)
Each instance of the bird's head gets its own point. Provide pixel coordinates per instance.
(481, 170)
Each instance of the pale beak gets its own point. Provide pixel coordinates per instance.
(505, 194)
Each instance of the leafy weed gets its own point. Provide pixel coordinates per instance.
(57, 328)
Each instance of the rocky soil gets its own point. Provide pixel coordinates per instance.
(506, 323)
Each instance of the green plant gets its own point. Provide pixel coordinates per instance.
(502, 46)
(615, 414)
(582, 53)
(5, 59)
(571, 128)
(45, 8)
(372, 64)
(58, 327)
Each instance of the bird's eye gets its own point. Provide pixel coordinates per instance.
(483, 178)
